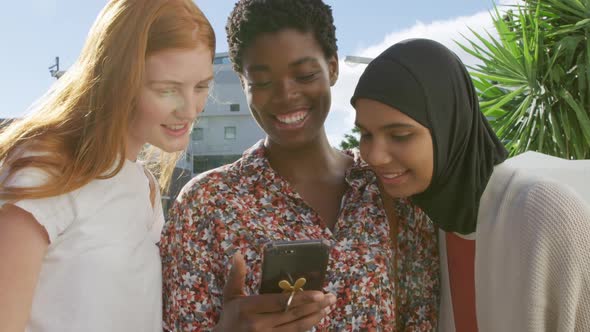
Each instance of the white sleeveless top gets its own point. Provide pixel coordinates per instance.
(102, 269)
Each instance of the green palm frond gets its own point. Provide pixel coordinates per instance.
(534, 78)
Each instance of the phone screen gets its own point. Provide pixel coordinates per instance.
(291, 260)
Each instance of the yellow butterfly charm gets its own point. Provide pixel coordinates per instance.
(287, 288)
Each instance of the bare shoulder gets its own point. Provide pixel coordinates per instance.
(17, 224)
(23, 243)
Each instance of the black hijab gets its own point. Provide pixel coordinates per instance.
(427, 82)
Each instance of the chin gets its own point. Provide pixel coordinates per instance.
(301, 140)
(171, 148)
(397, 193)
(174, 150)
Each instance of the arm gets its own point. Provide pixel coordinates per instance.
(557, 246)
(23, 243)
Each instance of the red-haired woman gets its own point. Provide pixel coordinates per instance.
(80, 216)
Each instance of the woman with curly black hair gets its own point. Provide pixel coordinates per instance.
(291, 186)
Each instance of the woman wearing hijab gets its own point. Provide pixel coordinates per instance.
(423, 135)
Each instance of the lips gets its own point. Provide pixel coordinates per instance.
(292, 117)
(392, 177)
(177, 129)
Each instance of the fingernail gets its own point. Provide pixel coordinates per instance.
(316, 297)
(327, 310)
(332, 298)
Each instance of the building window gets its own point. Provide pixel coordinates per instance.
(230, 133)
(220, 60)
(197, 134)
(234, 107)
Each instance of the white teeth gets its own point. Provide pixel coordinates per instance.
(393, 175)
(292, 118)
(175, 127)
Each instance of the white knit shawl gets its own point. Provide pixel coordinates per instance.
(532, 266)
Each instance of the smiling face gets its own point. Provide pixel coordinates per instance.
(396, 147)
(174, 91)
(287, 81)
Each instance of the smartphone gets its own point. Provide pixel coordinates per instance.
(291, 260)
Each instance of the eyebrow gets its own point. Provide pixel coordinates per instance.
(299, 62)
(173, 82)
(164, 82)
(303, 60)
(395, 125)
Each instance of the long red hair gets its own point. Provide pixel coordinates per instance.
(78, 132)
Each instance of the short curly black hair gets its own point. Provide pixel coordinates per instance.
(250, 18)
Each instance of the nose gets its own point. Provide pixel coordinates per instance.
(376, 153)
(285, 90)
(190, 106)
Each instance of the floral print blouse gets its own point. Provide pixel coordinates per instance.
(244, 205)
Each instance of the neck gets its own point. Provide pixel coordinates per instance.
(132, 150)
(312, 160)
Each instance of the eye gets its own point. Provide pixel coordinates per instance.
(168, 91)
(259, 84)
(365, 135)
(204, 86)
(401, 137)
(307, 78)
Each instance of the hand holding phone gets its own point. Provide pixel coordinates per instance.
(266, 311)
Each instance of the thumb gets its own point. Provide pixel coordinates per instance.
(234, 286)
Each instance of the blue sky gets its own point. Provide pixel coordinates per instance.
(34, 32)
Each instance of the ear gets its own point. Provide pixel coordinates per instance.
(333, 69)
